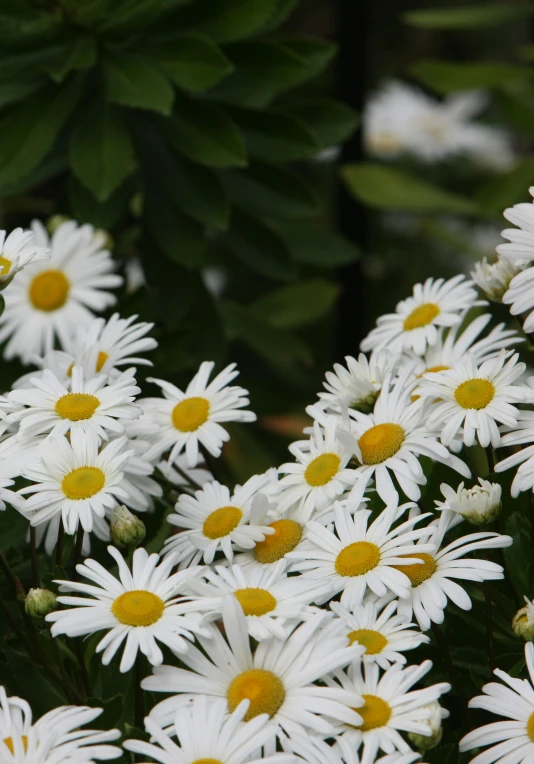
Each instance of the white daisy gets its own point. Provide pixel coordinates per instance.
(415, 324)
(17, 250)
(59, 363)
(478, 505)
(520, 246)
(432, 584)
(381, 630)
(390, 706)
(359, 557)
(519, 297)
(56, 738)
(522, 433)
(494, 278)
(214, 520)
(75, 480)
(475, 398)
(512, 741)
(187, 419)
(277, 677)
(207, 735)
(141, 607)
(272, 602)
(316, 751)
(50, 298)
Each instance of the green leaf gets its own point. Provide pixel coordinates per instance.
(518, 556)
(466, 17)
(506, 190)
(316, 52)
(130, 14)
(86, 209)
(225, 21)
(296, 305)
(386, 188)
(15, 90)
(283, 11)
(80, 53)
(258, 246)
(518, 110)
(192, 61)
(131, 81)
(322, 249)
(180, 237)
(444, 76)
(101, 150)
(112, 709)
(275, 136)
(330, 121)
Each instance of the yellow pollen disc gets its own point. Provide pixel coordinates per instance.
(421, 316)
(49, 290)
(287, 534)
(381, 442)
(474, 394)
(101, 360)
(5, 266)
(77, 406)
(221, 522)
(375, 713)
(322, 469)
(83, 483)
(190, 414)
(530, 727)
(138, 608)
(373, 641)
(255, 601)
(357, 559)
(9, 742)
(417, 573)
(264, 689)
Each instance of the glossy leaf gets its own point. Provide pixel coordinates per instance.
(131, 81)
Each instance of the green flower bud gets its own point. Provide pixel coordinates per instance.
(126, 529)
(54, 222)
(40, 602)
(523, 622)
(426, 742)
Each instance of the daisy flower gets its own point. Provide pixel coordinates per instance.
(214, 520)
(475, 398)
(206, 734)
(191, 418)
(432, 581)
(512, 741)
(51, 297)
(56, 738)
(494, 278)
(75, 480)
(17, 250)
(316, 751)
(390, 706)
(381, 630)
(359, 557)
(277, 677)
(520, 245)
(320, 474)
(272, 602)
(519, 297)
(141, 607)
(522, 433)
(478, 505)
(417, 320)
(84, 406)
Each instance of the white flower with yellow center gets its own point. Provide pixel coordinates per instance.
(55, 738)
(478, 505)
(390, 706)
(320, 473)
(358, 557)
(471, 400)
(522, 433)
(142, 607)
(207, 735)
(415, 324)
(432, 579)
(512, 741)
(215, 520)
(17, 250)
(382, 631)
(50, 298)
(75, 480)
(84, 406)
(191, 418)
(272, 602)
(494, 278)
(520, 245)
(277, 677)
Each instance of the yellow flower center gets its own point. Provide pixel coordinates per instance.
(421, 316)
(373, 641)
(221, 522)
(357, 559)
(49, 290)
(381, 442)
(530, 727)
(190, 414)
(5, 267)
(83, 483)
(255, 601)
(101, 360)
(439, 367)
(474, 394)
(138, 608)
(375, 713)
(9, 742)
(264, 689)
(287, 535)
(416, 572)
(77, 406)
(322, 469)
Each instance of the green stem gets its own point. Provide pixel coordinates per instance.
(490, 454)
(447, 660)
(139, 698)
(489, 627)
(59, 543)
(77, 551)
(33, 553)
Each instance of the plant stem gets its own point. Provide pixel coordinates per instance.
(490, 455)
(447, 660)
(11, 577)
(139, 698)
(192, 482)
(77, 551)
(489, 627)
(33, 553)
(59, 543)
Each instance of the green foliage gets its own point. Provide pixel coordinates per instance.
(470, 16)
(445, 76)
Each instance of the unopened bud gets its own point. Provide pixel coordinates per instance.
(126, 529)
(478, 505)
(40, 602)
(54, 222)
(523, 622)
(426, 742)
(494, 278)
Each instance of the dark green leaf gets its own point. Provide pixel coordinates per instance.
(330, 121)
(444, 76)
(192, 61)
(476, 16)
(78, 54)
(131, 81)
(112, 709)
(506, 190)
(274, 135)
(316, 52)
(283, 10)
(179, 236)
(197, 191)
(130, 14)
(322, 249)
(225, 21)
(297, 304)
(518, 110)
(15, 90)
(258, 246)
(518, 556)
(86, 209)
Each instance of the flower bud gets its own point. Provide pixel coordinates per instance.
(494, 278)
(40, 602)
(126, 529)
(426, 742)
(478, 505)
(523, 622)
(54, 222)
